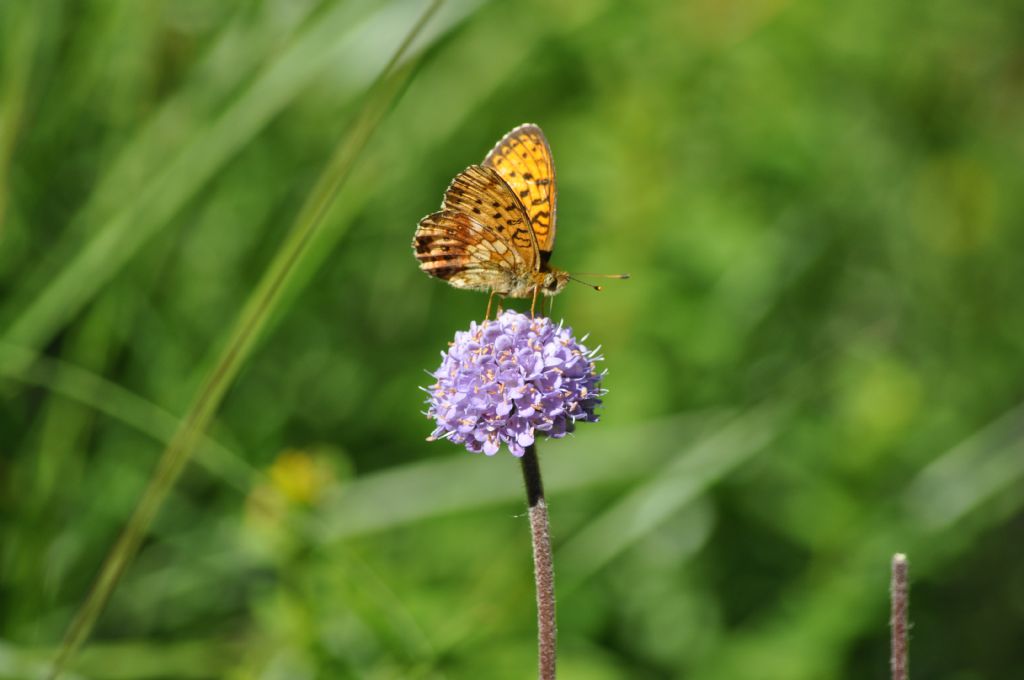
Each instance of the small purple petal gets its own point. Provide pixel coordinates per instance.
(524, 438)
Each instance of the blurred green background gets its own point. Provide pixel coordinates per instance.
(817, 362)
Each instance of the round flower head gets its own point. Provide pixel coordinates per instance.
(503, 381)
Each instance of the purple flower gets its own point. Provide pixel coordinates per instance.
(503, 381)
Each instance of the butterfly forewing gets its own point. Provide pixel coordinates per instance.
(523, 159)
(456, 248)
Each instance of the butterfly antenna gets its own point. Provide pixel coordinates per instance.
(595, 287)
(603, 276)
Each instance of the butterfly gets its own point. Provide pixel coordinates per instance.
(496, 227)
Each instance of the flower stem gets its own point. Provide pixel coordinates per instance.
(543, 571)
(898, 591)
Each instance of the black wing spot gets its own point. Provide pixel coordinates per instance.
(495, 204)
(496, 215)
(524, 193)
(527, 176)
(543, 182)
(444, 273)
(476, 210)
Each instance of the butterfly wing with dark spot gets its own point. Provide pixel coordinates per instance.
(523, 159)
(481, 193)
(480, 238)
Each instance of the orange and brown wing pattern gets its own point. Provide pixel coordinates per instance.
(480, 238)
(481, 193)
(455, 248)
(523, 159)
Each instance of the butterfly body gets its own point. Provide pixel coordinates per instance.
(496, 227)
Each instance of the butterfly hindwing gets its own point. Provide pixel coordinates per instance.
(453, 247)
(481, 236)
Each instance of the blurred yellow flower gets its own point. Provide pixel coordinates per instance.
(301, 477)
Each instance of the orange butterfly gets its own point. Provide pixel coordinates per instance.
(496, 227)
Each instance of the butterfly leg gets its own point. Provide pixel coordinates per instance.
(490, 299)
(536, 289)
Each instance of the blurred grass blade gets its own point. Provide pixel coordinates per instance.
(419, 491)
(15, 64)
(260, 306)
(16, 662)
(138, 659)
(667, 492)
(150, 207)
(94, 391)
(805, 627)
(970, 474)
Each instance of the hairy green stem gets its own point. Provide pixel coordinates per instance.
(543, 570)
(900, 602)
